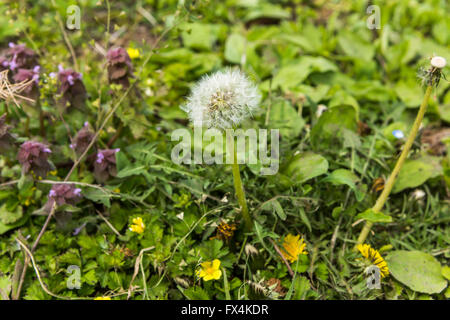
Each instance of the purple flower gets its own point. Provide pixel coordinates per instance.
(21, 57)
(31, 91)
(71, 87)
(33, 156)
(105, 165)
(82, 139)
(120, 67)
(63, 194)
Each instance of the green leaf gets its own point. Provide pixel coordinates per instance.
(446, 272)
(373, 216)
(98, 195)
(413, 174)
(305, 166)
(196, 293)
(278, 209)
(355, 47)
(199, 35)
(418, 270)
(235, 48)
(285, 118)
(332, 124)
(342, 176)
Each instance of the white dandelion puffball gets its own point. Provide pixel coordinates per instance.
(222, 100)
(438, 62)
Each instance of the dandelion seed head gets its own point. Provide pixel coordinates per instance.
(438, 62)
(222, 100)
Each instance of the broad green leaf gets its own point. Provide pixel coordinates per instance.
(235, 48)
(418, 270)
(199, 35)
(284, 117)
(413, 174)
(373, 216)
(342, 176)
(330, 126)
(305, 166)
(446, 272)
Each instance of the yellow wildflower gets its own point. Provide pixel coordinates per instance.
(103, 298)
(133, 53)
(293, 246)
(374, 257)
(210, 270)
(138, 225)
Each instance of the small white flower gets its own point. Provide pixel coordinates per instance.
(418, 194)
(222, 100)
(438, 62)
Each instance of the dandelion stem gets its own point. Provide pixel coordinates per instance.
(240, 193)
(391, 181)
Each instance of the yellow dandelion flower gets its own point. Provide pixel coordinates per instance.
(224, 231)
(138, 225)
(133, 53)
(210, 270)
(374, 257)
(103, 298)
(293, 246)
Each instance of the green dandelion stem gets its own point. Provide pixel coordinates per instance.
(240, 193)
(391, 181)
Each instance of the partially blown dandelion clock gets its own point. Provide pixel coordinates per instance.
(222, 100)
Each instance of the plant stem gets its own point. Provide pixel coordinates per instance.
(240, 193)
(391, 181)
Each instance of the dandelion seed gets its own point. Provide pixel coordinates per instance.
(222, 100)
(438, 62)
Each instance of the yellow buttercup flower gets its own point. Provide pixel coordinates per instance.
(210, 270)
(293, 246)
(103, 298)
(374, 257)
(138, 225)
(133, 53)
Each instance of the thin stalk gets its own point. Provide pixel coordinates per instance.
(240, 193)
(391, 181)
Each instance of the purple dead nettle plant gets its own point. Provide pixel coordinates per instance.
(31, 91)
(33, 156)
(20, 57)
(6, 138)
(71, 87)
(119, 66)
(105, 164)
(62, 194)
(82, 139)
